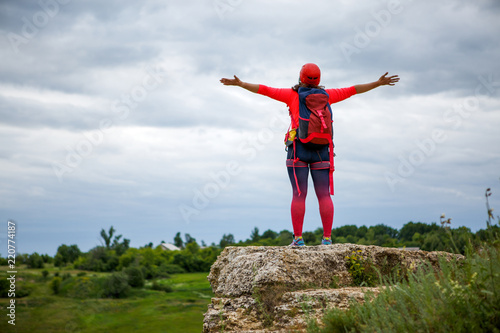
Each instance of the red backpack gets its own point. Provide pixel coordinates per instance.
(315, 127)
(315, 117)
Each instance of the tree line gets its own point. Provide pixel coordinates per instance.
(115, 253)
(427, 237)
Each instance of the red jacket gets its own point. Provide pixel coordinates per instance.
(291, 97)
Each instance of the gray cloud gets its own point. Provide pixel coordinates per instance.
(91, 65)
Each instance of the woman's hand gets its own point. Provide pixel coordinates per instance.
(237, 82)
(385, 80)
(231, 82)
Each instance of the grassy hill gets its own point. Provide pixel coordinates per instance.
(180, 310)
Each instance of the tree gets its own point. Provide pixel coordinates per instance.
(382, 229)
(97, 258)
(47, 259)
(107, 236)
(345, 231)
(120, 248)
(35, 261)
(192, 247)
(189, 239)
(309, 237)
(178, 241)
(269, 234)
(254, 236)
(361, 231)
(226, 240)
(114, 244)
(66, 254)
(432, 242)
(409, 229)
(286, 237)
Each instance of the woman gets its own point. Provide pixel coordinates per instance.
(303, 159)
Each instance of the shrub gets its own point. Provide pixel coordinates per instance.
(192, 262)
(55, 285)
(98, 259)
(4, 287)
(361, 270)
(161, 287)
(135, 277)
(35, 261)
(116, 286)
(24, 289)
(82, 287)
(149, 272)
(170, 269)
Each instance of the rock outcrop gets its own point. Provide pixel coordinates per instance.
(277, 289)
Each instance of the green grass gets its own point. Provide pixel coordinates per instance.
(463, 297)
(144, 310)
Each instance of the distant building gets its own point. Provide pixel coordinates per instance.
(169, 246)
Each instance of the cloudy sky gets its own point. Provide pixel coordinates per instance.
(112, 114)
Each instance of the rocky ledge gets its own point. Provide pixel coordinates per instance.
(277, 289)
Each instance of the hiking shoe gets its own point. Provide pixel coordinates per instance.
(298, 242)
(326, 241)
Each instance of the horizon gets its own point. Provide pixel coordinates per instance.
(199, 241)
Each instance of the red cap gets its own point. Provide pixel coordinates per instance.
(310, 74)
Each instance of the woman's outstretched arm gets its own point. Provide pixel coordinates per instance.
(384, 80)
(237, 82)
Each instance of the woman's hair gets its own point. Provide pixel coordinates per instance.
(303, 85)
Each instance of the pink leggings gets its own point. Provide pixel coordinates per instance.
(321, 186)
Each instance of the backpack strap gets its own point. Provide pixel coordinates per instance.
(332, 166)
(320, 165)
(290, 141)
(295, 161)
